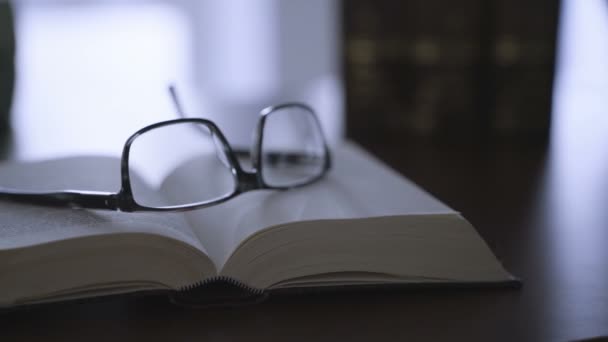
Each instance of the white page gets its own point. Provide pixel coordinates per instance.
(357, 186)
(24, 225)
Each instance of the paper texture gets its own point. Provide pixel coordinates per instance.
(357, 186)
(24, 225)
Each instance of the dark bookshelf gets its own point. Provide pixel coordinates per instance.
(7, 65)
(438, 70)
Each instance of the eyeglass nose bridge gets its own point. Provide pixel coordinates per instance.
(248, 181)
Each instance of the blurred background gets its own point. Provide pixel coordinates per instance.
(99, 70)
(388, 74)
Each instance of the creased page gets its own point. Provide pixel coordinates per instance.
(25, 225)
(357, 186)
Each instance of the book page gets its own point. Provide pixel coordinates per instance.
(24, 225)
(346, 193)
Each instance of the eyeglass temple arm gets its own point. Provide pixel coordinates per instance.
(72, 199)
(176, 102)
(180, 111)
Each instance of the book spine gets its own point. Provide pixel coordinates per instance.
(217, 291)
(470, 70)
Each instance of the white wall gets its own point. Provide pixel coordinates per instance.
(94, 72)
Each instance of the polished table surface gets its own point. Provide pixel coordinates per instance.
(544, 215)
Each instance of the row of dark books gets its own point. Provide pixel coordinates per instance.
(455, 71)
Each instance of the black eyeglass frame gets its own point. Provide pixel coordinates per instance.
(123, 200)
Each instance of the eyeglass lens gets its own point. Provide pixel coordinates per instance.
(293, 150)
(184, 163)
(181, 164)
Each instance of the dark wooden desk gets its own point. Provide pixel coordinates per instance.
(518, 199)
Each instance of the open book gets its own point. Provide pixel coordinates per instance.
(363, 224)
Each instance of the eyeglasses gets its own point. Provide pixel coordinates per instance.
(200, 168)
